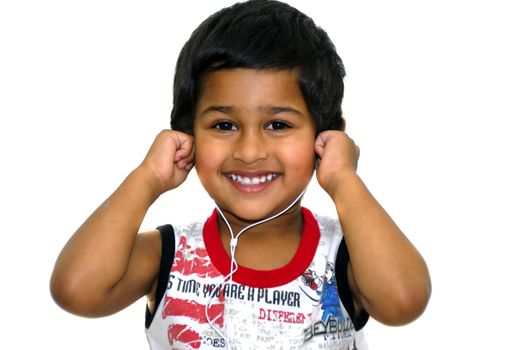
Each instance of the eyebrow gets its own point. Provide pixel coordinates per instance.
(221, 109)
(269, 109)
(280, 109)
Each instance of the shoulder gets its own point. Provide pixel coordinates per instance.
(330, 228)
(328, 224)
(168, 240)
(185, 229)
(170, 236)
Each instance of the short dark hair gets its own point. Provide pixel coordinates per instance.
(261, 34)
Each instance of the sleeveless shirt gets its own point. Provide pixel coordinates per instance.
(305, 304)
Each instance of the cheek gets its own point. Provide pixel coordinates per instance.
(205, 169)
(209, 158)
(203, 160)
(302, 158)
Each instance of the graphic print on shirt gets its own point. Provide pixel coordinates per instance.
(189, 291)
(312, 283)
(333, 323)
(330, 300)
(195, 262)
(303, 313)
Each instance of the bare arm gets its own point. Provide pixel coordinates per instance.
(106, 266)
(388, 276)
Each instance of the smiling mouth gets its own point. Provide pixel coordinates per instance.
(253, 180)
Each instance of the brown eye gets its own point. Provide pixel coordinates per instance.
(277, 125)
(225, 126)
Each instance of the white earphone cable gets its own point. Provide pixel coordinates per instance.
(234, 266)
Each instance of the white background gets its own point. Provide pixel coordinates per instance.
(433, 97)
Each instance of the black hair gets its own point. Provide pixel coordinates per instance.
(261, 34)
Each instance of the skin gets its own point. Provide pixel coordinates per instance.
(252, 124)
(259, 125)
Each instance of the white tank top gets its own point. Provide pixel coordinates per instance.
(297, 306)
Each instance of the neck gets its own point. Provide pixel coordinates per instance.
(287, 221)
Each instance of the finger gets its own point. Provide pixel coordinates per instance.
(185, 158)
(319, 144)
(186, 162)
(180, 154)
(185, 141)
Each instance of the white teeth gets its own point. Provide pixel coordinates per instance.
(244, 180)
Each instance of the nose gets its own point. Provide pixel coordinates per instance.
(250, 147)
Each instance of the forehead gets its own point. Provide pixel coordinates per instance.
(247, 86)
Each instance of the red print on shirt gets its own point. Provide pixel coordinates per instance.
(189, 261)
(196, 264)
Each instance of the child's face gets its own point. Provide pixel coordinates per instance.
(254, 140)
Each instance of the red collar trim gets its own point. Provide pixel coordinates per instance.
(264, 278)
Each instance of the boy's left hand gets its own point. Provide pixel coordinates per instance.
(337, 157)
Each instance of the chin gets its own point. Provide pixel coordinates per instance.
(252, 212)
(245, 214)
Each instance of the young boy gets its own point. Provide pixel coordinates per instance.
(257, 110)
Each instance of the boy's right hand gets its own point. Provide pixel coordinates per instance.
(168, 161)
(105, 266)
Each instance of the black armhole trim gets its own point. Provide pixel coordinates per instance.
(168, 247)
(342, 280)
